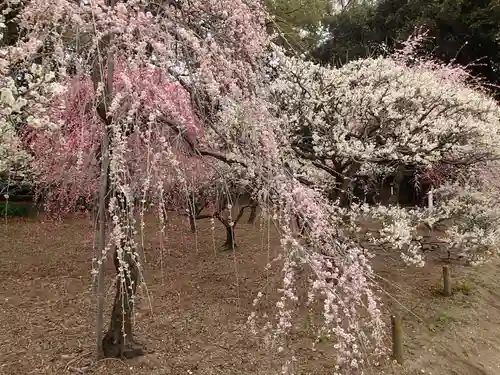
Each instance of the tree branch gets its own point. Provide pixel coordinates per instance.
(192, 142)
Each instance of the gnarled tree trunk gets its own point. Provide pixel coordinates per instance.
(229, 244)
(253, 214)
(119, 340)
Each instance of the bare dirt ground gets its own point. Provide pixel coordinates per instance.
(200, 298)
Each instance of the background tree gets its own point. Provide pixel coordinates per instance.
(298, 22)
(463, 31)
(222, 200)
(378, 115)
(383, 117)
(302, 25)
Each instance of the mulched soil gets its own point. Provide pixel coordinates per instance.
(199, 299)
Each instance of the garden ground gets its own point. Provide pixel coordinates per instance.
(200, 297)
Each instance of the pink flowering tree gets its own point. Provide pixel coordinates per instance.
(119, 96)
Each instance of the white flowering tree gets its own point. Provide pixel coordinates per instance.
(118, 97)
(463, 223)
(384, 117)
(383, 114)
(14, 160)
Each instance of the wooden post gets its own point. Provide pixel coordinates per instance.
(397, 339)
(430, 199)
(446, 281)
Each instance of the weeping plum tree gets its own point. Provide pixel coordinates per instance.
(125, 91)
(110, 110)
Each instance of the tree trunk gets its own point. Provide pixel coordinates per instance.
(398, 179)
(102, 243)
(253, 214)
(229, 244)
(102, 73)
(346, 183)
(192, 221)
(118, 341)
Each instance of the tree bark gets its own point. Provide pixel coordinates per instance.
(398, 179)
(229, 244)
(98, 75)
(119, 341)
(102, 243)
(253, 214)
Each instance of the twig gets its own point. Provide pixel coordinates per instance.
(68, 365)
(76, 369)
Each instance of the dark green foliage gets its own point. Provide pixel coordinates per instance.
(292, 15)
(463, 31)
(11, 31)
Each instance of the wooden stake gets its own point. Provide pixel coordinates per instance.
(397, 339)
(446, 281)
(430, 200)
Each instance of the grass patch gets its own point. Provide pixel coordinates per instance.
(441, 321)
(16, 209)
(465, 287)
